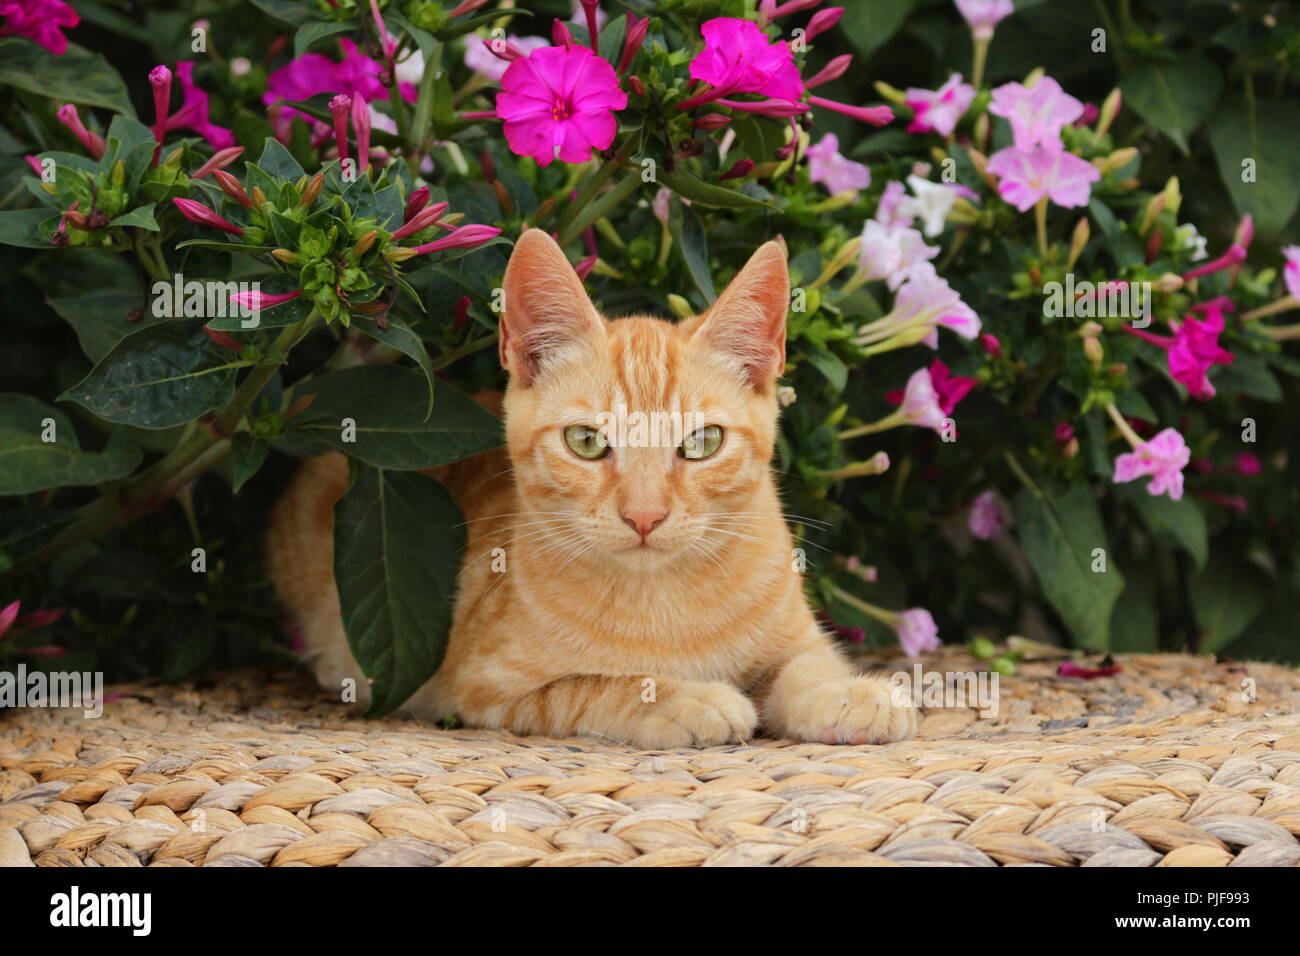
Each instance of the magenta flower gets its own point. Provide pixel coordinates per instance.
(196, 212)
(1036, 113)
(193, 114)
(1247, 464)
(1194, 347)
(738, 58)
(939, 111)
(559, 103)
(356, 75)
(11, 625)
(1162, 458)
(480, 58)
(93, 142)
(422, 220)
(1291, 271)
(991, 344)
(916, 631)
(466, 237)
(39, 20)
(950, 388)
(874, 115)
(220, 160)
(984, 15)
(986, 520)
(255, 301)
(1027, 175)
(827, 166)
(822, 21)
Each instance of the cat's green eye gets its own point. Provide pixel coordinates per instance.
(586, 442)
(701, 443)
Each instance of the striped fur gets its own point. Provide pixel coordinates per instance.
(692, 635)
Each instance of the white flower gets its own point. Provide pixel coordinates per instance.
(930, 203)
(892, 253)
(785, 395)
(1189, 238)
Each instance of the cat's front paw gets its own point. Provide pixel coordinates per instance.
(696, 714)
(858, 710)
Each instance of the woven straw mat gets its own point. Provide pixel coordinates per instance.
(1167, 763)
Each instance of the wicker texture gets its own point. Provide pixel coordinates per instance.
(1162, 765)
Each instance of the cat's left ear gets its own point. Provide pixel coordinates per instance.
(747, 322)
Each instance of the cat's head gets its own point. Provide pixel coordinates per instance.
(640, 439)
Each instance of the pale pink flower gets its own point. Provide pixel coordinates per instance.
(929, 296)
(890, 210)
(1027, 175)
(480, 58)
(892, 253)
(986, 520)
(559, 102)
(984, 15)
(1291, 271)
(1036, 113)
(828, 167)
(1163, 458)
(916, 631)
(920, 404)
(938, 111)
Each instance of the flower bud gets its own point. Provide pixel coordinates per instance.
(1078, 241)
(398, 253)
(1116, 160)
(1154, 208)
(285, 256)
(363, 244)
(259, 197)
(680, 307)
(1092, 348)
(1109, 109)
(1173, 197)
(1168, 283)
(313, 190)
(890, 93)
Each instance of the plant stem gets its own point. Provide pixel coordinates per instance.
(1040, 220)
(630, 184)
(598, 179)
(879, 614)
(977, 64)
(199, 450)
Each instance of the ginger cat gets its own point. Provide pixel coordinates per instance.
(649, 596)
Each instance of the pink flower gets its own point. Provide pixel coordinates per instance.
(827, 166)
(1163, 458)
(356, 75)
(1194, 347)
(198, 213)
(950, 388)
(892, 253)
(920, 405)
(93, 142)
(39, 20)
(738, 58)
(560, 103)
(875, 115)
(480, 58)
(986, 520)
(1291, 271)
(220, 160)
(8, 615)
(256, 301)
(1247, 464)
(984, 15)
(466, 237)
(1235, 255)
(929, 297)
(991, 344)
(11, 625)
(1036, 113)
(889, 212)
(193, 114)
(1027, 175)
(821, 21)
(940, 110)
(916, 631)
(1071, 669)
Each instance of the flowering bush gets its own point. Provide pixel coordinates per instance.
(1079, 396)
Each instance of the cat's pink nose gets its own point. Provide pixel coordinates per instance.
(643, 520)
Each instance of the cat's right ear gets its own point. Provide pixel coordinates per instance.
(546, 308)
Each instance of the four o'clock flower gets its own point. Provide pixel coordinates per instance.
(559, 103)
(984, 15)
(40, 20)
(939, 111)
(70, 118)
(466, 237)
(1036, 113)
(917, 632)
(929, 202)
(340, 107)
(480, 55)
(892, 253)
(738, 58)
(1162, 459)
(1194, 347)
(986, 520)
(828, 167)
(254, 301)
(198, 213)
(1026, 176)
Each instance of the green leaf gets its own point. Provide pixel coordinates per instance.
(27, 530)
(1248, 376)
(278, 163)
(28, 463)
(707, 194)
(309, 33)
(1175, 96)
(1266, 138)
(397, 544)
(868, 26)
(1059, 532)
(830, 365)
(399, 336)
(1180, 520)
(100, 319)
(695, 252)
(163, 375)
(21, 227)
(291, 12)
(1225, 600)
(246, 456)
(388, 407)
(78, 76)
(141, 217)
